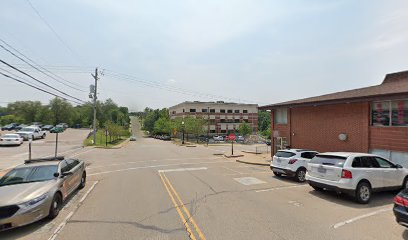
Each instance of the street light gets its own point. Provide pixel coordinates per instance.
(182, 123)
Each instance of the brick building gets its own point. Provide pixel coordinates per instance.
(224, 117)
(372, 119)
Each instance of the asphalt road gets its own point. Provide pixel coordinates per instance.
(152, 189)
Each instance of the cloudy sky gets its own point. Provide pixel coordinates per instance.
(160, 53)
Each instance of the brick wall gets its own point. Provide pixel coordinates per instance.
(389, 138)
(318, 127)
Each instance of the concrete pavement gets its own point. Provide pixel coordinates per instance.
(153, 189)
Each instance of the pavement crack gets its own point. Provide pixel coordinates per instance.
(134, 224)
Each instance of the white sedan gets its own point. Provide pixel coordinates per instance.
(11, 139)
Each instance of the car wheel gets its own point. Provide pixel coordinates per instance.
(363, 193)
(277, 174)
(55, 206)
(43, 136)
(83, 181)
(300, 175)
(405, 183)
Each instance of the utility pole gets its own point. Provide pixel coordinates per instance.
(95, 88)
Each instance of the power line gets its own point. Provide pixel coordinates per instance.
(55, 32)
(16, 76)
(42, 90)
(15, 55)
(28, 75)
(162, 86)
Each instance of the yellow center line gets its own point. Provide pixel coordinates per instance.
(191, 219)
(178, 209)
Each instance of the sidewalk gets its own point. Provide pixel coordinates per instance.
(263, 159)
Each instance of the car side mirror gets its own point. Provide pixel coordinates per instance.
(398, 166)
(56, 174)
(64, 174)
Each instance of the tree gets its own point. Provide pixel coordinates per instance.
(62, 111)
(26, 110)
(162, 125)
(245, 129)
(264, 120)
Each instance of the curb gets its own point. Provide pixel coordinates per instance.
(251, 152)
(233, 156)
(121, 145)
(253, 163)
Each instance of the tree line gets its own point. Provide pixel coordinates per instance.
(157, 121)
(61, 111)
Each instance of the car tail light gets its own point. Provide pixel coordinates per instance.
(401, 201)
(346, 174)
(292, 161)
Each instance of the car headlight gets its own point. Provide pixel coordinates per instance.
(35, 202)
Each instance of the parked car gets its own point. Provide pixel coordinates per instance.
(292, 163)
(9, 127)
(47, 127)
(357, 174)
(202, 138)
(132, 138)
(268, 142)
(64, 125)
(401, 208)
(240, 139)
(38, 124)
(37, 189)
(32, 132)
(57, 129)
(11, 139)
(21, 126)
(165, 137)
(218, 138)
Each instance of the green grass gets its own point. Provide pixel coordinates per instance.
(101, 140)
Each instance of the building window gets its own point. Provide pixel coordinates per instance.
(222, 120)
(183, 110)
(281, 116)
(245, 111)
(399, 111)
(236, 111)
(212, 131)
(223, 131)
(192, 110)
(229, 111)
(389, 113)
(204, 110)
(212, 110)
(174, 112)
(237, 120)
(222, 110)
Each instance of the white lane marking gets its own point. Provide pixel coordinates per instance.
(62, 225)
(232, 170)
(250, 173)
(155, 166)
(80, 153)
(249, 181)
(279, 188)
(154, 160)
(182, 169)
(340, 224)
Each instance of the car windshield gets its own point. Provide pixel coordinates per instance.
(337, 161)
(29, 174)
(27, 129)
(284, 154)
(11, 136)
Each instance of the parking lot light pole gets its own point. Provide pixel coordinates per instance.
(56, 144)
(30, 140)
(182, 123)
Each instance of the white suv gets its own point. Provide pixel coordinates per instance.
(357, 174)
(292, 163)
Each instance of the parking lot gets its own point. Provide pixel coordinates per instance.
(69, 143)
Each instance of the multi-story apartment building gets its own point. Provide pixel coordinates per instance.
(223, 117)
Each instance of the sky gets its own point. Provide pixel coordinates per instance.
(160, 53)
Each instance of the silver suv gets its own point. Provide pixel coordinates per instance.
(37, 189)
(292, 163)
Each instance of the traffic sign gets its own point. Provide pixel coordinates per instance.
(232, 137)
